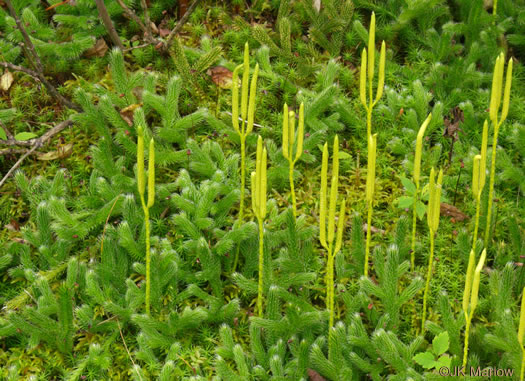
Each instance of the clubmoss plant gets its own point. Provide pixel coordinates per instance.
(367, 73)
(521, 332)
(247, 118)
(470, 295)
(288, 144)
(478, 179)
(495, 102)
(370, 182)
(258, 186)
(417, 172)
(327, 237)
(433, 223)
(151, 199)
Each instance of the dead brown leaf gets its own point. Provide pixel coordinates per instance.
(452, 129)
(221, 76)
(154, 28)
(13, 226)
(62, 152)
(373, 229)
(98, 50)
(314, 376)
(164, 32)
(6, 80)
(453, 212)
(127, 113)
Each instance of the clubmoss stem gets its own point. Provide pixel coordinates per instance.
(427, 283)
(476, 226)
(292, 191)
(368, 236)
(148, 261)
(414, 221)
(241, 204)
(491, 186)
(261, 269)
(467, 330)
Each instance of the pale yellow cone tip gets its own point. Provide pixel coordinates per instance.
(468, 281)
(141, 182)
(362, 79)
(285, 131)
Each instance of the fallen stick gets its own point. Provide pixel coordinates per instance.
(35, 144)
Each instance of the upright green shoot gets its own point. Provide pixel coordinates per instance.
(417, 172)
(478, 179)
(247, 119)
(288, 145)
(367, 77)
(470, 295)
(151, 199)
(370, 185)
(433, 223)
(258, 186)
(495, 102)
(326, 237)
(367, 74)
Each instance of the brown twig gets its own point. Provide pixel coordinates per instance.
(131, 15)
(35, 144)
(41, 78)
(106, 20)
(181, 22)
(17, 164)
(145, 28)
(29, 45)
(11, 151)
(7, 132)
(33, 57)
(126, 347)
(147, 21)
(22, 69)
(137, 47)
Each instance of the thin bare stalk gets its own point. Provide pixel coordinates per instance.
(106, 20)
